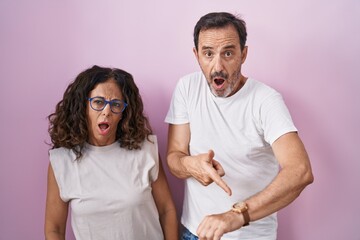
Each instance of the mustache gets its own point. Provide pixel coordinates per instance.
(219, 74)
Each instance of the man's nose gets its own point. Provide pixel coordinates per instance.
(218, 64)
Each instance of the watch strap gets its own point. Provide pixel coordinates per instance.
(242, 208)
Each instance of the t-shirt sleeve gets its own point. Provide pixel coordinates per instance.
(178, 111)
(153, 151)
(60, 160)
(275, 118)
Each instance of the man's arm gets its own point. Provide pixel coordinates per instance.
(202, 167)
(294, 176)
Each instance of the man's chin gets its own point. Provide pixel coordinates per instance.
(223, 93)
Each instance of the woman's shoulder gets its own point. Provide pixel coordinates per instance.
(61, 154)
(152, 137)
(149, 141)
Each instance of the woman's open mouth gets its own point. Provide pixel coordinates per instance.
(104, 128)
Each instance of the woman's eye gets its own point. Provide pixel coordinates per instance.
(116, 104)
(98, 102)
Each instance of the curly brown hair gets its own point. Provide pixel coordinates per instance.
(68, 124)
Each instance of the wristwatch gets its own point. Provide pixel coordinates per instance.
(241, 207)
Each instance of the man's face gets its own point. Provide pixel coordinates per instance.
(220, 58)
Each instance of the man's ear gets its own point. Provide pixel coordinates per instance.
(195, 53)
(244, 54)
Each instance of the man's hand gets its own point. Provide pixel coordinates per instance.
(207, 170)
(213, 227)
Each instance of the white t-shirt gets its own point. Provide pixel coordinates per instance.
(109, 190)
(240, 129)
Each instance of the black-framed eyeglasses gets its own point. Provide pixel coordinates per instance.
(99, 103)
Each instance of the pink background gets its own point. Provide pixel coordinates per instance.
(308, 50)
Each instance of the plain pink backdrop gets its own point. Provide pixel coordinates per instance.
(308, 50)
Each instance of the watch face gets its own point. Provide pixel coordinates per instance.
(241, 206)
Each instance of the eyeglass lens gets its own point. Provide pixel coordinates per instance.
(99, 103)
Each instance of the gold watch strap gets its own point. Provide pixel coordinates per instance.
(242, 208)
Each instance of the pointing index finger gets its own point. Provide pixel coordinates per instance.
(220, 182)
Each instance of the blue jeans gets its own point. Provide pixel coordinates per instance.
(187, 235)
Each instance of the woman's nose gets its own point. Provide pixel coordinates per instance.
(107, 109)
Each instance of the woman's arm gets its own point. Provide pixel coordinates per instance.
(56, 210)
(165, 205)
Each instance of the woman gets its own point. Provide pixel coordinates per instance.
(104, 163)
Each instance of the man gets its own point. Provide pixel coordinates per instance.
(234, 131)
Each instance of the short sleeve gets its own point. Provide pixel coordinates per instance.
(152, 147)
(275, 118)
(178, 112)
(60, 160)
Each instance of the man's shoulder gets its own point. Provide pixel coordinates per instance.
(192, 76)
(260, 87)
(190, 81)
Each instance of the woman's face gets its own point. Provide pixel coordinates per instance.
(102, 125)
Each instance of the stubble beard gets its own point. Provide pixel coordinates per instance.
(234, 85)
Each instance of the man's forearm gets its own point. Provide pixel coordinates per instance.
(285, 188)
(176, 162)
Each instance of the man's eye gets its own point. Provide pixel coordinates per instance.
(208, 54)
(228, 54)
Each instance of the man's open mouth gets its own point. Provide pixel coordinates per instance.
(219, 81)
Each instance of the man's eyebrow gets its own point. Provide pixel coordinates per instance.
(232, 46)
(206, 48)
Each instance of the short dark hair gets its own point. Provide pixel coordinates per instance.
(68, 124)
(220, 20)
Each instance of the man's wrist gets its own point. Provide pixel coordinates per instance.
(242, 209)
(184, 166)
